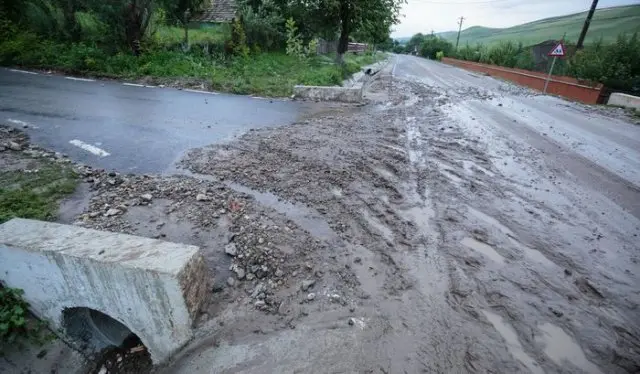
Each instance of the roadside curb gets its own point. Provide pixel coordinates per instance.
(350, 92)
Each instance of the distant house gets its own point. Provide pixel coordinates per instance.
(217, 12)
(541, 51)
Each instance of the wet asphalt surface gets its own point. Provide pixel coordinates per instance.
(143, 129)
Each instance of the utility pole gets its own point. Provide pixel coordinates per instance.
(460, 29)
(587, 22)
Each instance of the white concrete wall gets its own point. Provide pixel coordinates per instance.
(155, 288)
(624, 100)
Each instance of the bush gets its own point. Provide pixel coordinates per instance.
(439, 55)
(16, 327)
(432, 45)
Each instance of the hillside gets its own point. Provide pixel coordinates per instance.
(607, 23)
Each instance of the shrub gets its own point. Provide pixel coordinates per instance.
(295, 47)
(432, 45)
(439, 55)
(16, 328)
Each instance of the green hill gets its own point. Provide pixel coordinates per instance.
(607, 23)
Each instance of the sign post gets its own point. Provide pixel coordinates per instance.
(557, 51)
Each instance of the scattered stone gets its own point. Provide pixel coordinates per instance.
(231, 282)
(251, 276)
(146, 197)
(557, 313)
(352, 321)
(335, 298)
(231, 249)
(357, 260)
(202, 197)
(112, 212)
(279, 273)
(306, 284)
(260, 304)
(94, 214)
(311, 296)
(567, 272)
(240, 273)
(2, 148)
(14, 146)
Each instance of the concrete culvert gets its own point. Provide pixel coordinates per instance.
(111, 344)
(92, 331)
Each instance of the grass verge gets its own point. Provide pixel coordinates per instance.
(264, 74)
(35, 193)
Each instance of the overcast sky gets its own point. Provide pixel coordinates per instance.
(442, 15)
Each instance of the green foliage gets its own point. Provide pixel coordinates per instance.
(295, 47)
(505, 54)
(17, 327)
(36, 194)
(439, 55)
(432, 45)
(263, 26)
(616, 65)
(238, 43)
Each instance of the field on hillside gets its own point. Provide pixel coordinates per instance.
(607, 23)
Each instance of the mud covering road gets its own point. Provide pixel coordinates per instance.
(468, 225)
(455, 224)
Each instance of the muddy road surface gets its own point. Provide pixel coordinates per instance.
(469, 226)
(454, 224)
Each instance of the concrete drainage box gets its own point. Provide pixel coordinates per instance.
(99, 287)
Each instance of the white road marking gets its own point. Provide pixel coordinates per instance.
(133, 84)
(200, 91)
(80, 79)
(89, 148)
(24, 71)
(20, 123)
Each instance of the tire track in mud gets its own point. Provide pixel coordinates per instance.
(453, 276)
(553, 289)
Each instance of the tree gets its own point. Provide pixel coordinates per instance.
(183, 11)
(415, 43)
(370, 17)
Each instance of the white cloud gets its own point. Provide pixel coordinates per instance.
(442, 15)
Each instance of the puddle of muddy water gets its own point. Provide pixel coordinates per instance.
(561, 348)
(483, 248)
(74, 205)
(513, 343)
(152, 221)
(304, 217)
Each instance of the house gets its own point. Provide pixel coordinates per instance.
(217, 12)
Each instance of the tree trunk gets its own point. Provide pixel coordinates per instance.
(345, 30)
(186, 45)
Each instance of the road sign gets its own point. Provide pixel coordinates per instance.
(558, 51)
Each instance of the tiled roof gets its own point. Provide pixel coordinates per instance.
(217, 11)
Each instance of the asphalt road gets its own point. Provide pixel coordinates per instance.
(129, 128)
(597, 150)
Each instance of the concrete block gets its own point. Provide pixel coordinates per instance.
(624, 100)
(97, 287)
(341, 94)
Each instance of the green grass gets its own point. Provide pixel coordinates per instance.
(264, 74)
(606, 24)
(169, 36)
(35, 194)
